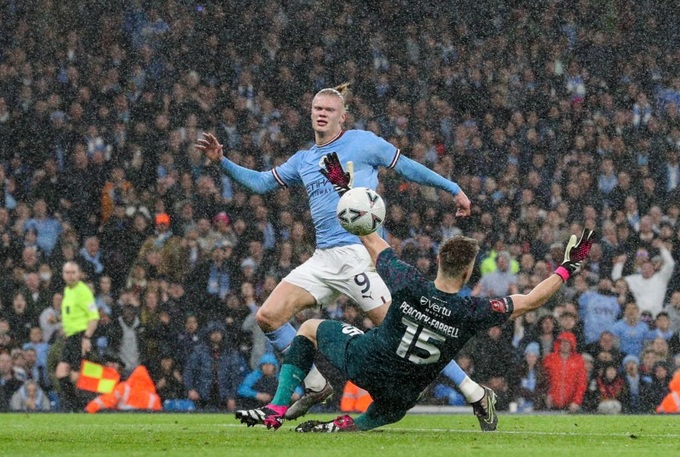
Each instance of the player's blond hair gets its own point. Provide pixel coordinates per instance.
(456, 253)
(341, 91)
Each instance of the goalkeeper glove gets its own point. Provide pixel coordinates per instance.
(575, 254)
(342, 181)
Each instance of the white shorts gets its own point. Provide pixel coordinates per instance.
(346, 270)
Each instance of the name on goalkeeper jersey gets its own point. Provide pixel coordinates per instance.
(434, 324)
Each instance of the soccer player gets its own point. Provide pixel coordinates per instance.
(79, 317)
(425, 327)
(340, 265)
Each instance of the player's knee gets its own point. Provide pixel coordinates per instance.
(269, 320)
(308, 328)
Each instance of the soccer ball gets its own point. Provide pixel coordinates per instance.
(361, 211)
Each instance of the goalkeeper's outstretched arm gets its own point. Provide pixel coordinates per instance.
(574, 255)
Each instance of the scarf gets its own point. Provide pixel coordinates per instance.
(219, 282)
(94, 260)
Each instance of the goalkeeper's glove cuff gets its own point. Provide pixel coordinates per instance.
(562, 273)
(340, 189)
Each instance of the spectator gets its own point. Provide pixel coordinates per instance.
(36, 343)
(92, 258)
(169, 246)
(566, 374)
(116, 242)
(235, 315)
(630, 331)
(36, 298)
(530, 391)
(211, 281)
(20, 319)
(653, 393)
(546, 332)
(29, 398)
(494, 361)
(214, 371)
(673, 311)
(114, 192)
(169, 384)
(649, 286)
(35, 372)
(499, 282)
(259, 386)
(126, 337)
(612, 389)
(8, 381)
(188, 339)
(634, 384)
(662, 330)
(569, 323)
(599, 310)
(223, 231)
(605, 349)
(47, 228)
(104, 297)
(592, 396)
(50, 319)
(207, 237)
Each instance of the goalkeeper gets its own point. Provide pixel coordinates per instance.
(425, 328)
(340, 265)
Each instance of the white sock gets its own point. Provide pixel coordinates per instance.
(315, 380)
(473, 392)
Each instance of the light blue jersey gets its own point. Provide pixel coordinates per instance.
(598, 312)
(368, 152)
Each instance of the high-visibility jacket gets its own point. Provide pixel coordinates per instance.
(354, 399)
(671, 403)
(137, 392)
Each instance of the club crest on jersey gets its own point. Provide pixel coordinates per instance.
(499, 305)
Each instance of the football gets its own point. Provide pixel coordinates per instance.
(361, 211)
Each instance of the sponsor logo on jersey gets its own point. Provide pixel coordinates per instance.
(439, 309)
(499, 305)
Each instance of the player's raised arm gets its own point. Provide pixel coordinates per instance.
(255, 181)
(574, 255)
(420, 174)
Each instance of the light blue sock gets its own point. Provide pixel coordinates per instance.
(454, 372)
(470, 389)
(282, 337)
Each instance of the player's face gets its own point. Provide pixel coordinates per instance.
(328, 114)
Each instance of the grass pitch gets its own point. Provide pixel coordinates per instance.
(203, 435)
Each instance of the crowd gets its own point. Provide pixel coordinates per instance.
(551, 116)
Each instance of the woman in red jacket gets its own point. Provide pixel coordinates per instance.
(566, 372)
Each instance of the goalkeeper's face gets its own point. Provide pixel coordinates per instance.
(328, 114)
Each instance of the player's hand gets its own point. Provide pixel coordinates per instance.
(463, 204)
(574, 254)
(210, 147)
(342, 180)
